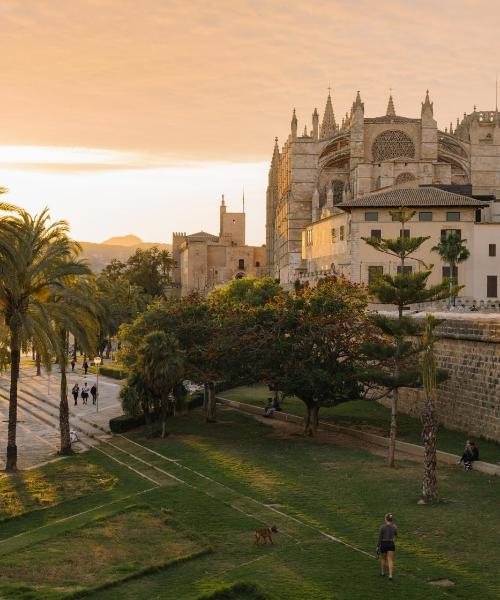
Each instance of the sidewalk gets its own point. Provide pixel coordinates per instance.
(411, 449)
(38, 435)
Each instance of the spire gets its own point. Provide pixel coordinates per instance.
(276, 151)
(328, 126)
(223, 203)
(305, 134)
(427, 105)
(358, 102)
(294, 125)
(243, 198)
(315, 119)
(451, 128)
(391, 112)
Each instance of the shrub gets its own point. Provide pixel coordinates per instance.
(126, 423)
(236, 592)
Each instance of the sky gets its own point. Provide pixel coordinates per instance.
(134, 117)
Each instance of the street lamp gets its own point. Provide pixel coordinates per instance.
(97, 363)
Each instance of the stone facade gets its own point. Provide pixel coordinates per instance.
(360, 155)
(204, 261)
(470, 399)
(333, 244)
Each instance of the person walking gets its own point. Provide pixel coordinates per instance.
(93, 391)
(73, 364)
(85, 366)
(85, 393)
(75, 391)
(386, 545)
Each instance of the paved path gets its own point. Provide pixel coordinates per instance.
(38, 414)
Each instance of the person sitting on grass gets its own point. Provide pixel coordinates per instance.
(386, 546)
(269, 409)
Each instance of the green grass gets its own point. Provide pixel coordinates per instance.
(370, 416)
(338, 490)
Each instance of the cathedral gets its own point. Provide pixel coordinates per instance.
(340, 161)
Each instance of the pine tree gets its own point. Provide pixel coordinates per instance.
(402, 290)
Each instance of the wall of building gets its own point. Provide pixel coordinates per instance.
(470, 399)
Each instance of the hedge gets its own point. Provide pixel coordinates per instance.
(126, 423)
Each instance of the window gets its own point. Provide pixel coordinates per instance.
(241, 263)
(446, 232)
(376, 233)
(404, 233)
(453, 216)
(257, 264)
(446, 273)
(342, 233)
(334, 234)
(371, 216)
(425, 216)
(407, 270)
(309, 237)
(492, 249)
(374, 273)
(491, 286)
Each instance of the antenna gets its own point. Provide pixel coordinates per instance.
(243, 198)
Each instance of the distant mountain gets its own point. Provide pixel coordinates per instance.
(124, 240)
(119, 247)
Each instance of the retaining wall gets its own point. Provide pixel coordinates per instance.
(469, 349)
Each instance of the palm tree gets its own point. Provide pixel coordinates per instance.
(36, 259)
(71, 310)
(452, 250)
(161, 364)
(429, 418)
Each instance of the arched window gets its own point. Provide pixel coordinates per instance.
(392, 144)
(404, 177)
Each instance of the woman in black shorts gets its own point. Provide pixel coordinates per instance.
(386, 546)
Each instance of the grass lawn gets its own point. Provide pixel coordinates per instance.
(312, 487)
(372, 416)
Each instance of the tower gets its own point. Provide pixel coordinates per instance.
(429, 147)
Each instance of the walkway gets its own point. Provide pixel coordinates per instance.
(38, 414)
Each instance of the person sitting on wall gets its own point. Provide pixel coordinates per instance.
(269, 409)
(471, 453)
(276, 404)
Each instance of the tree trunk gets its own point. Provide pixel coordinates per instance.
(15, 358)
(311, 420)
(429, 440)
(394, 428)
(38, 365)
(64, 412)
(211, 407)
(163, 416)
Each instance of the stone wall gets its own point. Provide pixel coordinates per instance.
(469, 349)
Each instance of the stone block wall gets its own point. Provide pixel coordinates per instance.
(469, 349)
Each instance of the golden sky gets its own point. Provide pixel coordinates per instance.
(163, 89)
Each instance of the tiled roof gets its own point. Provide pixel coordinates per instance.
(423, 196)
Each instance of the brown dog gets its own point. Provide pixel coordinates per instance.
(265, 533)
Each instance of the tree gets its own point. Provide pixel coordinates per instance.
(453, 251)
(310, 345)
(431, 377)
(71, 310)
(35, 259)
(402, 290)
(161, 366)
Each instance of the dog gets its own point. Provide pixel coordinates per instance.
(265, 533)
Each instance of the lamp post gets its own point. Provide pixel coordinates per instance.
(97, 363)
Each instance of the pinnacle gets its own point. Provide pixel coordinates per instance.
(391, 112)
(328, 126)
